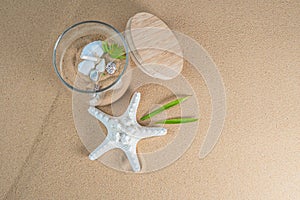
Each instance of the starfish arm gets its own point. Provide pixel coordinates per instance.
(124, 132)
(133, 105)
(146, 132)
(133, 159)
(101, 116)
(105, 146)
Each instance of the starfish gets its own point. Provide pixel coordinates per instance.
(124, 132)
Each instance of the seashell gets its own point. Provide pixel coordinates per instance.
(100, 67)
(85, 67)
(111, 67)
(93, 49)
(94, 59)
(94, 75)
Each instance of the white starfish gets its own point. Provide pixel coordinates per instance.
(124, 132)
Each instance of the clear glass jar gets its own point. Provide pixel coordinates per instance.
(66, 58)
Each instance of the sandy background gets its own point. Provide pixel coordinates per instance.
(256, 47)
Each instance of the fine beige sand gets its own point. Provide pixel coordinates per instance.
(256, 47)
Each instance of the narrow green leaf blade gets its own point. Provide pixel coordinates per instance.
(117, 53)
(114, 50)
(164, 107)
(122, 57)
(105, 46)
(177, 121)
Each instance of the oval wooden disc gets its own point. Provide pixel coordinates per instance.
(154, 47)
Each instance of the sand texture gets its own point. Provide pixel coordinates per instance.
(256, 48)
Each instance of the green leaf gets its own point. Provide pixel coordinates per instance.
(122, 57)
(105, 46)
(164, 107)
(114, 50)
(177, 121)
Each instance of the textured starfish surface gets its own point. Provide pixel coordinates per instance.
(124, 132)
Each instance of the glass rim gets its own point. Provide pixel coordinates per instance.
(59, 40)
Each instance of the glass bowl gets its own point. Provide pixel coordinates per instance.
(66, 57)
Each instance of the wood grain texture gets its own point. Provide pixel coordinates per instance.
(154, 46)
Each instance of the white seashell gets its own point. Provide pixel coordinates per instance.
(111, 67)
(85, 67)
(90, 58)
(94, 75)
(93, 49)
(101, 66)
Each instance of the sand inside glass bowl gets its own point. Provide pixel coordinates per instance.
(71, 59)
